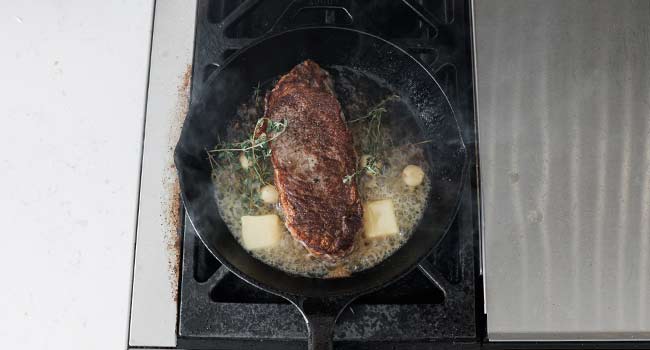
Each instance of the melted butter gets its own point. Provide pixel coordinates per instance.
(290, 255)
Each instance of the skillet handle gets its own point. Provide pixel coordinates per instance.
(321, 332)
(320, 315)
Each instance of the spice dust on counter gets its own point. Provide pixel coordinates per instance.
(172, 199)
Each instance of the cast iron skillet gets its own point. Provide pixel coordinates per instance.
(320, 300)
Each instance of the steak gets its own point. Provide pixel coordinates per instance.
(310, 160)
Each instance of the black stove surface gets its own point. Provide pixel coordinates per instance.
(436, 306)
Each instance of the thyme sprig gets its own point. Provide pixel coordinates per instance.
(374, 139)
(257, 94)
(257, 139)
(377, 110)
(256, 149)
(371, 168)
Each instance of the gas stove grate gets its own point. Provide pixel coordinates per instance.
(436, 303)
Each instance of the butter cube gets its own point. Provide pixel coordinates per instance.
(379, 219)
(263, 231)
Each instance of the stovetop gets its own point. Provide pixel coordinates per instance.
(439, 304)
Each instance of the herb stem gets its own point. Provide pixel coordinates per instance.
(378, 107)
(254, 140)
(416, 143)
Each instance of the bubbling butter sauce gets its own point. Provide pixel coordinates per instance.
(396, 147)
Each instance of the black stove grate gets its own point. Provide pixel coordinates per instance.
(435, 305)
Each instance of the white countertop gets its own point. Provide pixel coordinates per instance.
(72, 84)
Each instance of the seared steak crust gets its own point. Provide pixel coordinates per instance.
(310, 160)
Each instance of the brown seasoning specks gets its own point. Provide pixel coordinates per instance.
(173, 212)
